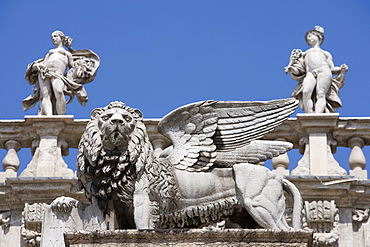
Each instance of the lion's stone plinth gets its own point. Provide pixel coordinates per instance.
(190, 237)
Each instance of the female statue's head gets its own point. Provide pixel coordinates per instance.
(318, 32)
(58, 36)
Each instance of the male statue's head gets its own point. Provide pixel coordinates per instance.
(318, 32)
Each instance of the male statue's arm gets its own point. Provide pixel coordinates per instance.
(335, 70)
(329, 60)
(340, 70)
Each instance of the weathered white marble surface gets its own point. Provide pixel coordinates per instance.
(205, 177)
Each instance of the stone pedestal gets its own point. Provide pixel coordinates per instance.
(10, 226)
(47, 160)
(24, 204)
(67, 214)
(190, 237)
(318, 159)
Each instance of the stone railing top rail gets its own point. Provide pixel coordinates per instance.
(344, 129)
(24, 131)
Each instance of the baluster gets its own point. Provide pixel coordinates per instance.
(281, 162)
(11, 161)
(158, 146)
(357, 160)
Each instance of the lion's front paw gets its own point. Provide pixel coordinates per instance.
(63, 204)
(216, 226)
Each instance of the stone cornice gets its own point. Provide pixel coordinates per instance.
(24, 132)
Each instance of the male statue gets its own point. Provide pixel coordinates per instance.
(317, 90)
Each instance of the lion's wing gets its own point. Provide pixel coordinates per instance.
(240, 123)
(199, 131)
(191, 128)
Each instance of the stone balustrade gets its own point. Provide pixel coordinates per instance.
(63, 132)
(343, 200)
(348, 132)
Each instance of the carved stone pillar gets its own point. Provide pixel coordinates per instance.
(357, 160)
(47, 160)
(158, 146)
(281, 163)
(33, 215)
(10, 229)
(318, 158)
(5, 219)
(11, 161)
(323, 218)
(360, 226)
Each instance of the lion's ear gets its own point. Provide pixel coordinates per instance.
(95, 113)
(138, 115)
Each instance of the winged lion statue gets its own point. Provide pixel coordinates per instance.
(208, 175)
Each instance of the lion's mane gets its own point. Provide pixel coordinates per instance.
(110, 175)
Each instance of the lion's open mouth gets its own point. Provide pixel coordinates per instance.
(116, 138)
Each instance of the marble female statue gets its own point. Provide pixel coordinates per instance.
(60, 73)
(317, 90)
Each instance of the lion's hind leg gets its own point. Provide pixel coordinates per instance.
(261, 193)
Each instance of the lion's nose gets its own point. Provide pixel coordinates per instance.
(117, 119)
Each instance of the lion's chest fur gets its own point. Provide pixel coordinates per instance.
(115, 176)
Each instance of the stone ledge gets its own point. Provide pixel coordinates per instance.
(41, 184)
(189, 237)
(15, 192)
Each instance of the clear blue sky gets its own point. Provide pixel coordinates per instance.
(159, 55)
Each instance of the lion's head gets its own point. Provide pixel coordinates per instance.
(112, 153)
(116, 123)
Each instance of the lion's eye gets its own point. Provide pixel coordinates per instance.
(105, 117)
(128, 118)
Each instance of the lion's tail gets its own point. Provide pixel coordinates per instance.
(297, 203)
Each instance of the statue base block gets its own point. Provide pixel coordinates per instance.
(189, 237)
